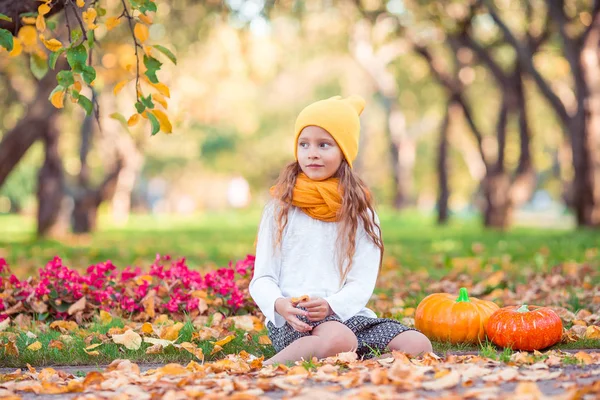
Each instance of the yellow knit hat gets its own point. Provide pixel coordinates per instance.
(339, 117)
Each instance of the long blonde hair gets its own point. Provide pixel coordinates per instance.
(356, 207)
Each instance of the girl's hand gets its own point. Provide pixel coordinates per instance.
(317, 307)
(286, 309)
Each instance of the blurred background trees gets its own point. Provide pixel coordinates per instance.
(473, 107)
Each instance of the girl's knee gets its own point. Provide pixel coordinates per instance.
(335, 338)
(411, 342)
(341, 343)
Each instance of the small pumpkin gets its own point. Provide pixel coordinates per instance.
(525, 328)
(443, 317)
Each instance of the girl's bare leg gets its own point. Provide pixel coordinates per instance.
(327, 339)
(410, 342)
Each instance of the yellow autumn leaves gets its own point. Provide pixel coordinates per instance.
(36, 39)
(141, 32)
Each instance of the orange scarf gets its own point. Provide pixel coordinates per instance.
(319, 199)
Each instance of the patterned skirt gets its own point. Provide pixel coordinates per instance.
(373, 334)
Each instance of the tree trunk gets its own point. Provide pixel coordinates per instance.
(402, 148)
(31, 127)
(585, 136)
(87, 199)
(14, 8)
(402, 152)
(498, 205)
(442, 166)
(50, 191)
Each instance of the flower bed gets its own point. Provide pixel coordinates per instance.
(167, 287)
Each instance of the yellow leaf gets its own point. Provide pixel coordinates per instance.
(160, 100)
(28, 36)
(89, 17)
(66, 325)
(193, 350)
(93, 346)
(225, 340)
(130, 339)
(43, 9)
(40, 23)
(592, 332)
(147, 328)
(165, 124)
(77, 86)
(171, 332)
(147, 50)
(58, 98)
(216, 349)
(112, 23)
(141, 32)
(35, 346)
(52, 44)
(264, 339)
(105, 317)
(28, 20)
(80, 3)
(145, 18)
(133, 120)
(172, 369)
(119, 86)
(162, 88)
(17, 48)
(94, 353)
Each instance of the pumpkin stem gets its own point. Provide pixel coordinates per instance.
(463, 296)
(523, 308)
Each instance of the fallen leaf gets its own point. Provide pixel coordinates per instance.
(592, 332)
(79, 305)
(196, 351)
(68, 326)
(154, 349)
(584, 357)
(171, 332)
(244, 322)
(447, 381)
(105, 317)
(224, 341)
(4, 324)
(216, 349)
(172, 369)
(161, 342)
(147, 328)
(35, 346)
(11, 349)
(264, 340)
(56, 344)
(130, 339)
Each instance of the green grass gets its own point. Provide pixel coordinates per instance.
(413, 243)
(213, 239)
(74, 353)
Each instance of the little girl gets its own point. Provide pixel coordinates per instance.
(320, 237)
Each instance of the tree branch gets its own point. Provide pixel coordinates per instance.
(135, 45)
(525, 58)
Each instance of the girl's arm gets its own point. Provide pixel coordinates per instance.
(264, 287)
(360, 281)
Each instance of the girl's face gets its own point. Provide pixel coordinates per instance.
(319, 155)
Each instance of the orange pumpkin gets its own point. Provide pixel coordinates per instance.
(443, 317)
(525, 328)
